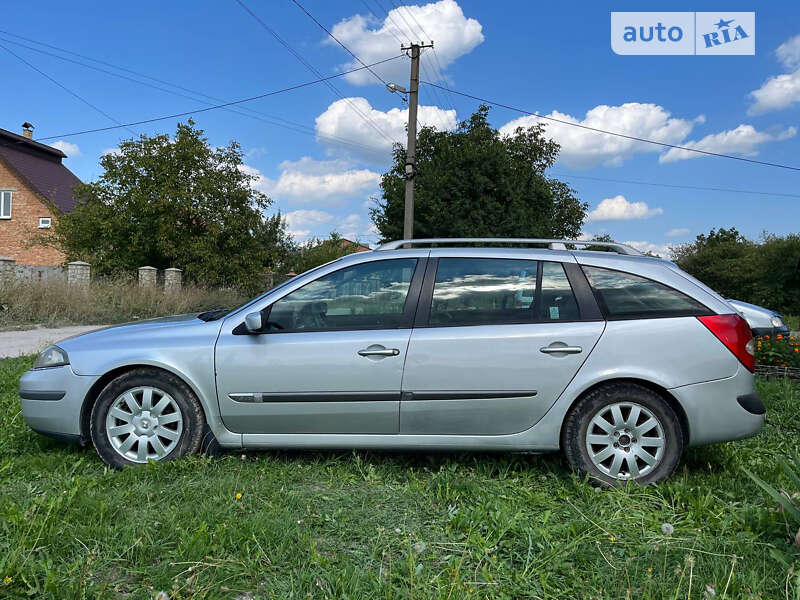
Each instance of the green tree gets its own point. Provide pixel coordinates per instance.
(473, 182)
(724, 260)
(763, 272)
(317, 252)
(175, 202)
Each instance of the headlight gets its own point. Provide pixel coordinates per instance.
(777, 321)
(51, 357)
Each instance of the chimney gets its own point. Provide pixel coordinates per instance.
(27, 130)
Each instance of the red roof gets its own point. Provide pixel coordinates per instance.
(40, 167)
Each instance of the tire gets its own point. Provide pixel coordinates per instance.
(121, 425)
(607, 413)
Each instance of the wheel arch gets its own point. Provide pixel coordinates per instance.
(668, 398)
(101, 383)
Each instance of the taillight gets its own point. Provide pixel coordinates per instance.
(733, 331)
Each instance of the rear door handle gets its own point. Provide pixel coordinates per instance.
(379, 352)
(561, 349)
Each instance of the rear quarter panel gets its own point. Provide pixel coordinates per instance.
(670, 353)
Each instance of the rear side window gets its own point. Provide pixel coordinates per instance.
(626, 296)
(558, 302)
(482, 291)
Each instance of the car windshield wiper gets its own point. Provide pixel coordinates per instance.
(213, 315)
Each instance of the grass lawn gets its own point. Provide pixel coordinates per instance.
(388, 525)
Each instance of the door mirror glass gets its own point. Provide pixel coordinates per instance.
(253, 322)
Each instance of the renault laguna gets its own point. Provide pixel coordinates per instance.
(618, 360)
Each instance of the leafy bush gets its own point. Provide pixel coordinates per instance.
(104, 301)
(763, 272)
(781, 351)
(789, 502)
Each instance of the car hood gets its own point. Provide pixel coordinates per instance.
(152, 341)
(132, 327)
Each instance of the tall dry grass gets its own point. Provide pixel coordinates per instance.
(54, 303)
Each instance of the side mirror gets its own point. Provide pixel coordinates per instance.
(253, 322)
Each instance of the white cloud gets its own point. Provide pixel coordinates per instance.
(67, 148)
(780, 91)
(346, 120)
(300, 223)
(776, 93)
(678, 232)
(742, 140)
(309, 180)
(789, 53)
(303, 224)
(619, 209)
(585, 148)
(444, 22)
(357, 227)
(661, 250)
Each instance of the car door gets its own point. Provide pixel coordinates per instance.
(495, 343)
(330, 358)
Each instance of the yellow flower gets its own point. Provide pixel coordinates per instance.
(7, 579)
(238, 495)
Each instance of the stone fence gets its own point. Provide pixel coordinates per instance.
(79, 273)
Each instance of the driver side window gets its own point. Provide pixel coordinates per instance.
(366, 296)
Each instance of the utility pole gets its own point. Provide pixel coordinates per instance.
(411, 147)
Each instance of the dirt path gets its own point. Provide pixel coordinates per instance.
(31, 341)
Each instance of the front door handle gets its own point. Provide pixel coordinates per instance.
(561, 349)
(379, 352)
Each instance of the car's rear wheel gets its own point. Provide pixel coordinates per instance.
(623, 432)
(143, 415)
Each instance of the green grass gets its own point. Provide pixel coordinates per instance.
(388, 525)
(793, 321)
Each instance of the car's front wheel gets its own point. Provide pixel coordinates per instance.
(623, 432)
(143, 415)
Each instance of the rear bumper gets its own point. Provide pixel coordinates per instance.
(770, 331)
(51, 401)
(722, 410)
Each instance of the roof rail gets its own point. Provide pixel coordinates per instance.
(551, 243)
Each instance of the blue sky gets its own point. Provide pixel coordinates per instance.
(553, 58)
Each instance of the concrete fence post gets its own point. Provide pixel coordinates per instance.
(172, 279)
(147, 276)
(269, 280)
(78, 273)
(7, 268)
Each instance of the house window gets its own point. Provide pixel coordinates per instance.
(5, 204)
(44, 222)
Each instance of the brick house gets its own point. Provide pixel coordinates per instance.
(35, 188)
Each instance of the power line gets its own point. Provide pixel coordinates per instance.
(253, 114)
(223, 105)
(311, 68)
(65, 88)
(338, 41)
(617, 134)
(677, 186)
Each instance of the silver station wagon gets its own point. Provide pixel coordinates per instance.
(619, 360)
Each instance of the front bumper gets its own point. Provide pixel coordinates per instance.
(52, 399)
(722, 410)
